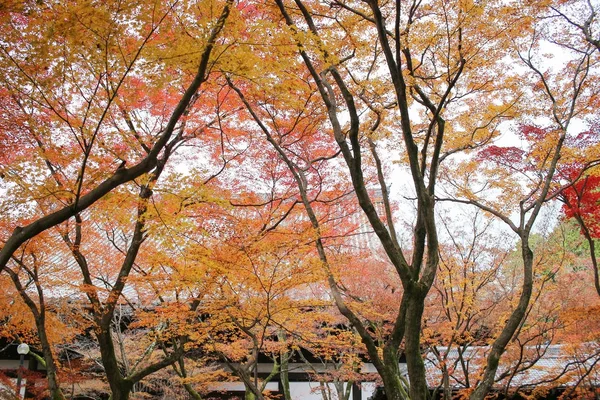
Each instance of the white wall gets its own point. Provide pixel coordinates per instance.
(310, 391)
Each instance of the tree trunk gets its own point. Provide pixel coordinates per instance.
(394, 388)
(192, 392)
(284, 375)
(446, 383)
(51, 374)
(119, 387)
(390, 374)
(414, 360)
(183, 374)
(250, 395)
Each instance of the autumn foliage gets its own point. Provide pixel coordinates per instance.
(197, 193)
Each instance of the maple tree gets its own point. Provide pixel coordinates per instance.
(338, 369)
(470, 290)
(528, 173)
(70, 119)
(580, 203)
(224, 272)
(34, 69)
(542, 322)
(191, 157)
(36, 276)
(578, 23)
(359, 98)
(492, 276)
(574, 296)
(560, 293)
(258, 303)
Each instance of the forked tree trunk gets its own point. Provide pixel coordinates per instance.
(119, 387)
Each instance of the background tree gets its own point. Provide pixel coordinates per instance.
(468, 298)
(580, 203)
(361, 102)
(565, 92)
